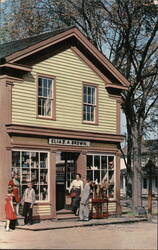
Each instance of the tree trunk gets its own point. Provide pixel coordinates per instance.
(137, 173)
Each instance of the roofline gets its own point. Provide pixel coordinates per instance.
(60, 37)
(39, 46)
(10, 78)
(17, 66)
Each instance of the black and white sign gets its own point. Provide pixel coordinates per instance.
(67, 142)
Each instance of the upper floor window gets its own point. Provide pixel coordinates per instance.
(89, 103)
(46, 100)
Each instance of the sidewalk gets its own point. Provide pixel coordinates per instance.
(62, 224)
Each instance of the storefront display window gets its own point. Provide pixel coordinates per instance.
(101, 170)
(32, 166)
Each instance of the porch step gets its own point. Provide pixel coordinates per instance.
(64, 211)
(66, 215)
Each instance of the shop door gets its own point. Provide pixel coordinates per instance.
(65, 173)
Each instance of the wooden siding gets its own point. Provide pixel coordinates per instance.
(41, 210)
(70, 72)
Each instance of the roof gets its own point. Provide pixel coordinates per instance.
(25, 51)
(9, 48)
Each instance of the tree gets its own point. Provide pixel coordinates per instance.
(124, 30)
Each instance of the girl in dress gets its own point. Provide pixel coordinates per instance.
(9, 210)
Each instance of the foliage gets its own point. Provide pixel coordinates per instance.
(124, 30)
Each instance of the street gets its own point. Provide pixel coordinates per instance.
(141, 236)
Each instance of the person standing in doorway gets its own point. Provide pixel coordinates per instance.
(84, 210)
(75, 190)
(28, 201)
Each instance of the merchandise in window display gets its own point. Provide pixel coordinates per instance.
(100, 170)
(32, 166)
(108, 180)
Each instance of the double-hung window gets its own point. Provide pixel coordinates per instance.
(89, 103)
(46, 100)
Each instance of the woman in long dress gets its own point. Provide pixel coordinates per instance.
(9, 210)
(76, 187)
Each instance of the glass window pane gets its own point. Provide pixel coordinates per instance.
(90, 175)
(84, 98)
(110, 162)
(84, 113)
(93, 95)
(84, 90)
(44, 83)
(25, 159)
(34, 160)
(40, 82)
(88, 113)
(45, 92)
(92, 113)
(97, 176)
(89, 161)
(16, 159)
(43, 176)
(49, 84)
(35, 175)
(43, 192)
(43, 160)
(104, 175)
(97, 161)
(89, 99)
(40, 91)
(89, 91)
(103, 162)
(47, 107)
(49, 94)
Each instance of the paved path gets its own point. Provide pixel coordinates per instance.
(138, 236)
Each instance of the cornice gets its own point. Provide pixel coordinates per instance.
(16, 129)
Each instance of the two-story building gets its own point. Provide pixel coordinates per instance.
(60, 104)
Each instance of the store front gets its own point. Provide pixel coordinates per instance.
(52, 167)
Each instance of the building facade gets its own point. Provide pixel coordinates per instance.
(60, 115)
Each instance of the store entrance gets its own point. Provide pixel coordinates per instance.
(66, 165)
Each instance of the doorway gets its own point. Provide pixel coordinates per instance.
(66, 166)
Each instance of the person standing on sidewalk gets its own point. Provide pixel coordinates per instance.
(9, 210)
(28, 201)
(84, 210)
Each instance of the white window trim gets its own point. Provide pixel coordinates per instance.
(112, 155)
(37, 151)
(51, 99)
